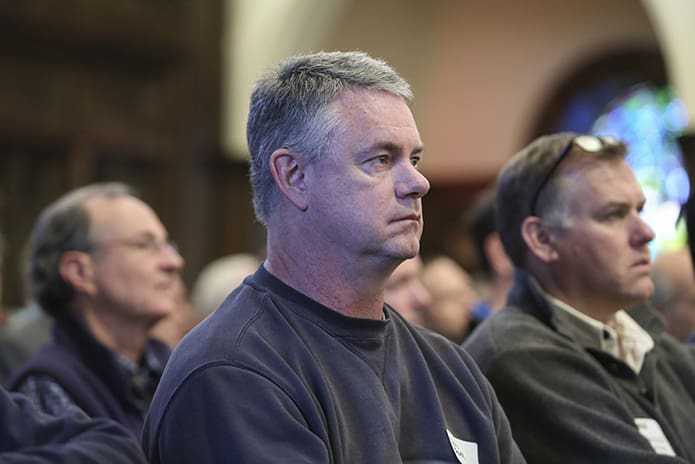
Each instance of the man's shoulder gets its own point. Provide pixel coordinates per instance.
(221, 330)
(247, 326)
(511, 332)
(509, 326)
(52, 359)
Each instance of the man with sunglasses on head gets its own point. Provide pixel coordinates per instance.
(101, 265)
(582, 377)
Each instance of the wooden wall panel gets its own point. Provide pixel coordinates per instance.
(97, 90)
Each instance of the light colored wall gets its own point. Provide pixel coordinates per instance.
(258, 33)
(673, 21)
(481, 69)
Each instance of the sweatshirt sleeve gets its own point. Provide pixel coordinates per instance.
(255, 421)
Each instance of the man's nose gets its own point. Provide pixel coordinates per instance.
(642, 232)
(173, 259)
(412, 183)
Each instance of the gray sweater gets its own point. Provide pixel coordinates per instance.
(569, 402)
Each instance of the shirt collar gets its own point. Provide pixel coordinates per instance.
(636, 342)
(150, 362)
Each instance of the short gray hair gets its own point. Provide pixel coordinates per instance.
(520, 179)
(62, 226)
(290, 108)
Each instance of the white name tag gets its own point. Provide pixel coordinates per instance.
(651, 430)
(466, 451)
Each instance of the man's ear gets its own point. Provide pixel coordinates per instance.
(539, 239)
(76, 269)
(288, 173)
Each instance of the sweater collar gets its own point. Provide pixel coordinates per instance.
(331, 320)
(71, 332)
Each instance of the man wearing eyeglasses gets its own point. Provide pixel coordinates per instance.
(582, 379)
(100, 263)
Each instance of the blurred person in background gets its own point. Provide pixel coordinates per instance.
(405, 292)
(674, 293)
(101, 264)
(495, 274)
(453, 297)
(28, 329)
(27, 435)
(218, 278)
(173, 327)
(10, 352)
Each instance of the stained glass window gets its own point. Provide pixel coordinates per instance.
(649, 119)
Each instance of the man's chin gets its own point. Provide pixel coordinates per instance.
(411, 250)
(399, 251)
(640, 295)
(158, 314)
(646, 289)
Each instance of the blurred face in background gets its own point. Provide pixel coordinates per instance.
(172, 328)
(453, 298)
(134, 269)
(406, 293)
(675, 281)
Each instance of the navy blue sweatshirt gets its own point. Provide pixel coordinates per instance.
(273, 376)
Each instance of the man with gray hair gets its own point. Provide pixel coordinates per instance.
(29, 436)
(582, 379)
(304, 362)
(101, 264)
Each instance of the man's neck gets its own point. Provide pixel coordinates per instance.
(354, 293)
(587, 303)
(127, 339)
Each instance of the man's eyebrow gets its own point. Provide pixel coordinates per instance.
(620, 204)
(391, 147)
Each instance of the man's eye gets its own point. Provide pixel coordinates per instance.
(615, 214)
(383, 159)
(144, 244)
(415, 160)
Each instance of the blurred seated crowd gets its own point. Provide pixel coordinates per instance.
(437, 293)
(106, 304)
(103, 344)
(571, 345)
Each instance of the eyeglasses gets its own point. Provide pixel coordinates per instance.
(147, 244)
(587, 143)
